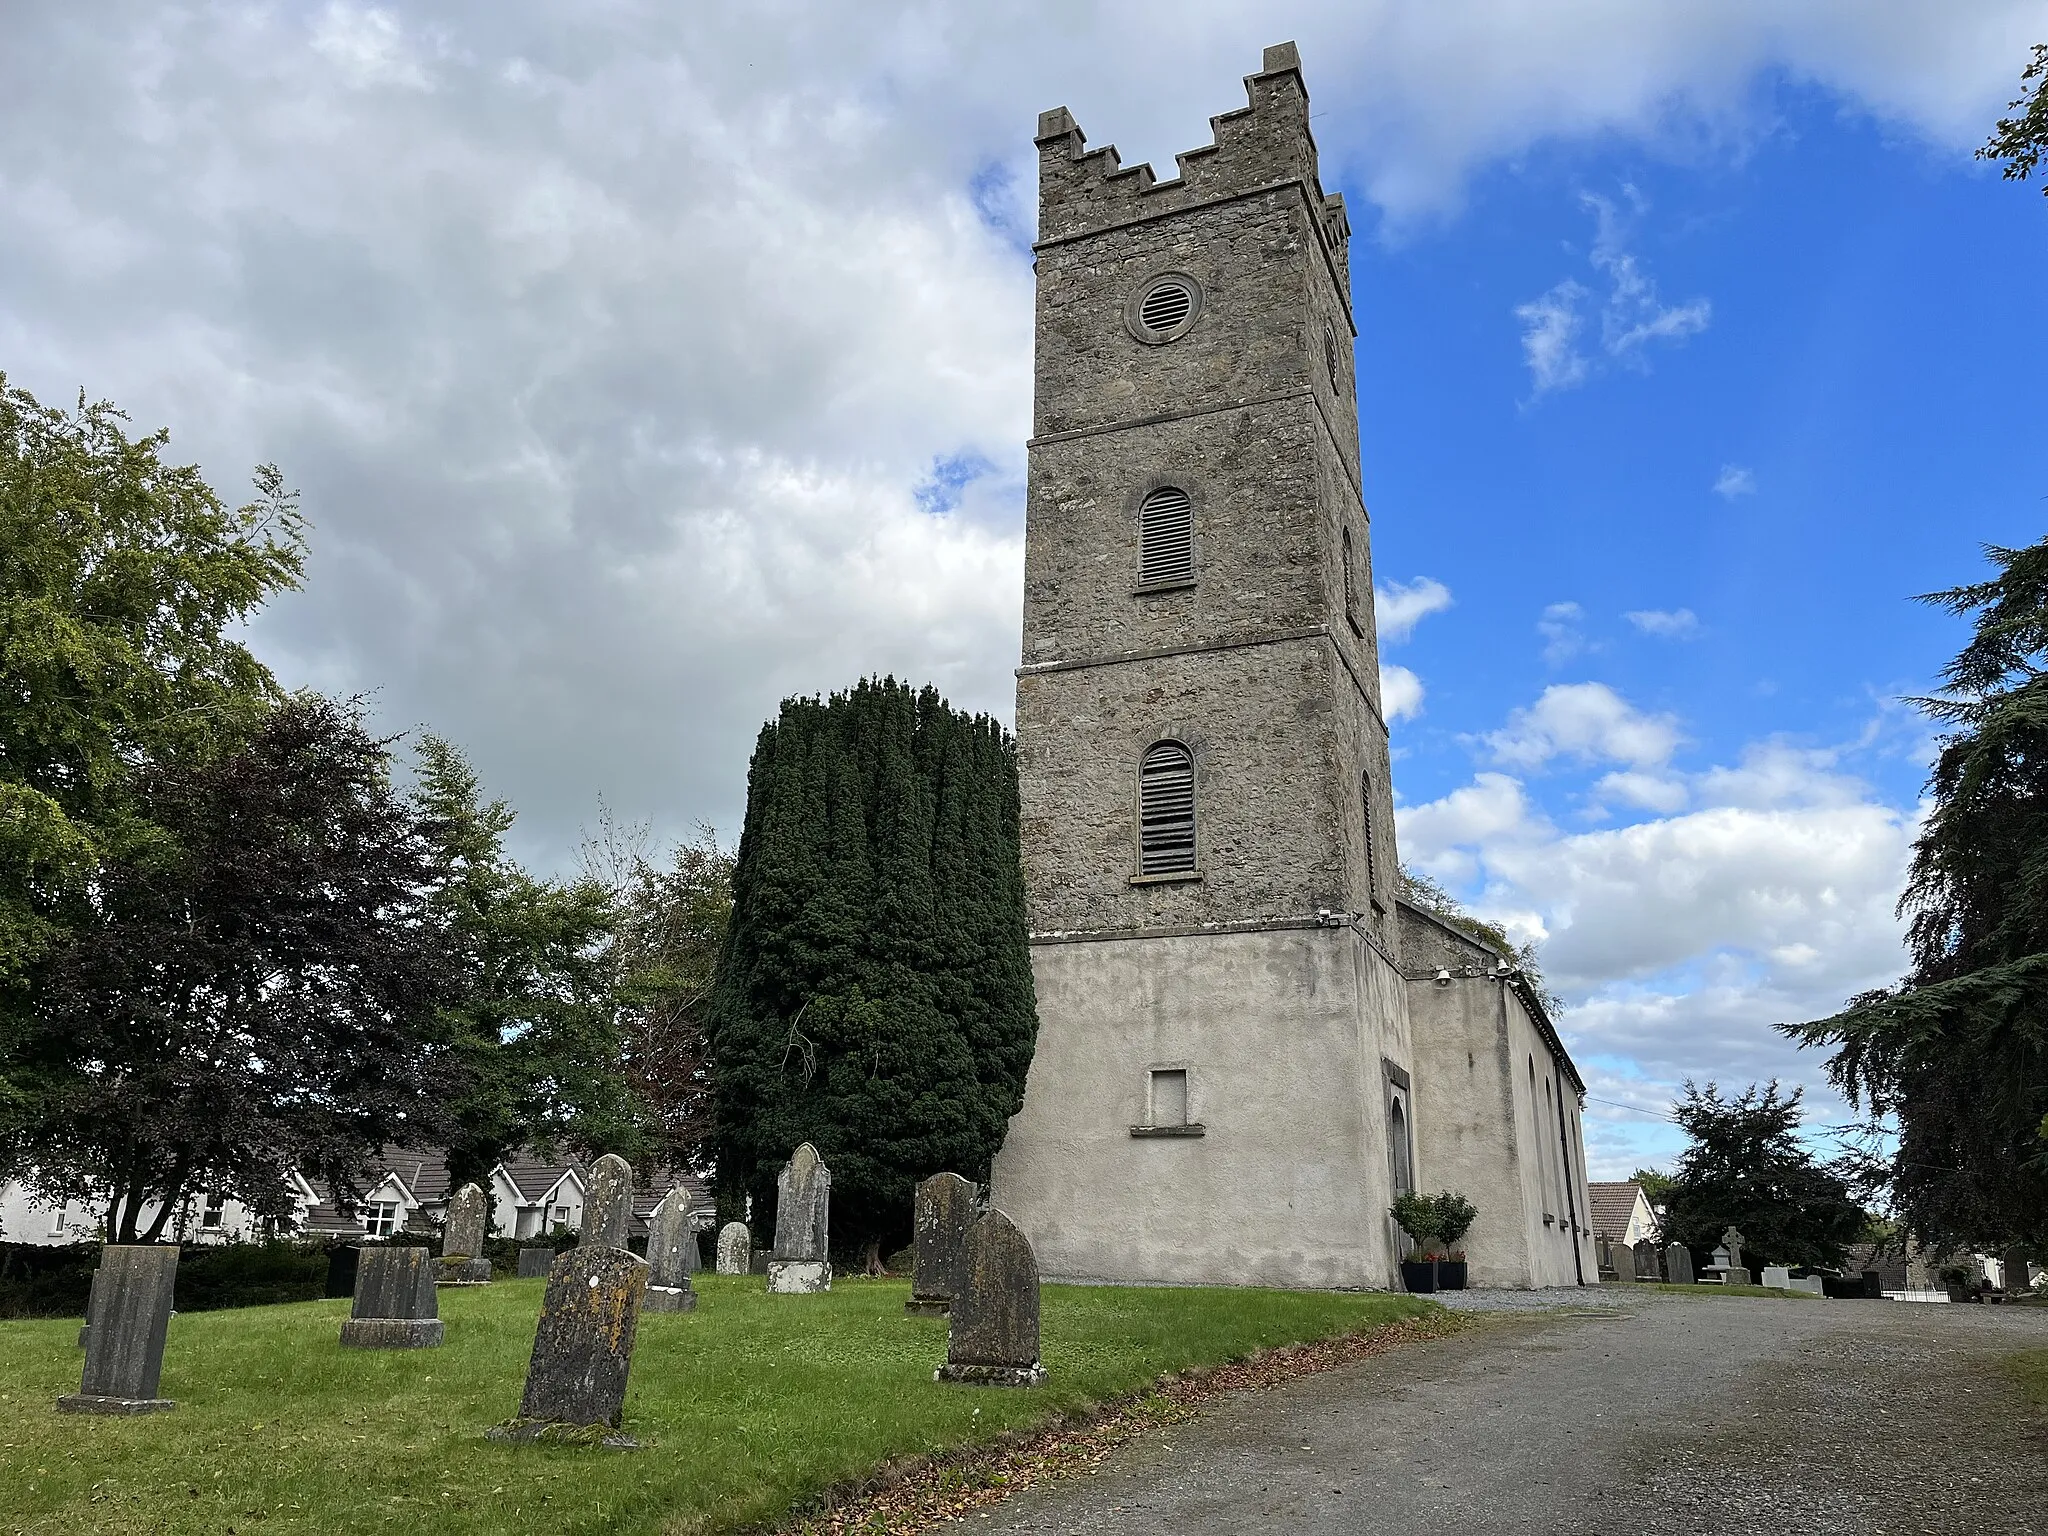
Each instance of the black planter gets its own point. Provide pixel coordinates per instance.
(1450, 1274)
(1418, 1276)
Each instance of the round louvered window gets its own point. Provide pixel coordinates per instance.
(1164, 307)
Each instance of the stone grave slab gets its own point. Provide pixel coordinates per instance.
(1778, 1276)
(735, 1248)
(1678, 1263)
(992, 1330)
(124, 1344)
(85, 1328)
(395, 1306)
(803, 1215)
(671, 1252)
(1647, 1268)
(582, 1350)
(462, 1245)
(944, 1212)
(1624, 1263)
(608, 1204)
(534, 1263)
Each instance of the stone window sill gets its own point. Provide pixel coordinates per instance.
(1169, 1130)
(1178, 877)
(1146, 589)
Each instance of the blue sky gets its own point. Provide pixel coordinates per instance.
(644, 364)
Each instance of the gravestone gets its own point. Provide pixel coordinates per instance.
(992, 1332)
(582, 1349)
(1646, 1261)
(944, 1212)
(608, 1205)
(395, 1305)
(2014, 1274)
(1813, 1285)
(1777, 1276)
(1624, 1263)
(342, 1264)
(462, 1245)
(124, 1343)
(735, 1248)
(803, 1215)
(534, 1263)
(1678, 1263)
(1603, 1254)
(1732, 1241)
(671, 1254)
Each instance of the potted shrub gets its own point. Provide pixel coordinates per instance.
(1454, 1217)
(1417, 1216)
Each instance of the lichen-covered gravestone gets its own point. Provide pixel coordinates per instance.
(1646, 1261)
(992, 1336)
(671, 1249)
(462, 1246)
(124, 1344)
(944, 1212)
(534, 1263)
(1624, 1258)
(608, 1204)
(735, 1248)
(395, 1306)
(803, 1215)
(582, 1350)
(1678, 1263)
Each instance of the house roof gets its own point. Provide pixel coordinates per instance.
(424, 1173)
(1612, 1205)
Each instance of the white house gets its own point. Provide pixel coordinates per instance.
(1622, 1212)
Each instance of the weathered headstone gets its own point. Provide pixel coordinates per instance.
(462, 1245)
(803, 1215)
(1603, 1254)
(2014, 1273)
(342, 1264)
(1777, 1276)
(1646, 1262)
(735, 1248)
(1678, 1263)
(1732, 1241)
(582, 1349)
(608, 1204)
(671, 1250)
(535, 1262)
(944, 1212)
(1624, 1263)
(124, 1343)
(992, 1332)
(395, 1305)
(92, 1294)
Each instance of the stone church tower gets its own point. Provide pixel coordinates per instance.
(1221, 1086)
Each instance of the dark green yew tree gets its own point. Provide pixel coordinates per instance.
(874, 993)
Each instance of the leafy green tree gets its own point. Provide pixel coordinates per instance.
(242, 1001)
(1956, 1055)
(2021, 139)
(670, 918)
(1746, 1168)
(874, 996)
(528, 1012)
(121, 577)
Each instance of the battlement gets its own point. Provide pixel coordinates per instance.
(1265, 143)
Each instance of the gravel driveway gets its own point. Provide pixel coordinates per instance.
(1653, 1413)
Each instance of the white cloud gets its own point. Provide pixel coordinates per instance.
(1562, 637)
(369, 46)
(1734, 481)
(1400, 693)
(1586, 721)
(1399, 608)
(1489, 811)
(1632, 316)
(1673, 624)
(1647, 791)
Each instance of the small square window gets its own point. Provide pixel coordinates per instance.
(214, 1213)
(380, 1218)
(1169, 1104)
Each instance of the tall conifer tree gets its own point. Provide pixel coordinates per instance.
(874, 993)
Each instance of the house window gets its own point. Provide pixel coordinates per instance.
(214, 1212)
(1166, 538)
(57, 1222)
(380, 1218)
(1351, 586)
(1168, 1102)
(1166, 810)
(560, 1218)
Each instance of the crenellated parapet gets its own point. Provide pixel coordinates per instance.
(1262, 145)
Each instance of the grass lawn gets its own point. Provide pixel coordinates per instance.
(742, 1408)
(2030, 1369)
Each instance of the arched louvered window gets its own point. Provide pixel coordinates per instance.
(1166, 810)
(1166, 538)
(1372, 884)
(1351, 584)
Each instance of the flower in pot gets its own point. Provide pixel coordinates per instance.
(1417, 1216)
(1454, 1217)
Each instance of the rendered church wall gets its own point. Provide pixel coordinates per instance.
(1281, 1033)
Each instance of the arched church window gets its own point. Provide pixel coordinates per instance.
(1397, 1147)
(1372, 884)
(1166, 538)
(1351, 585)
(1166, 810)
